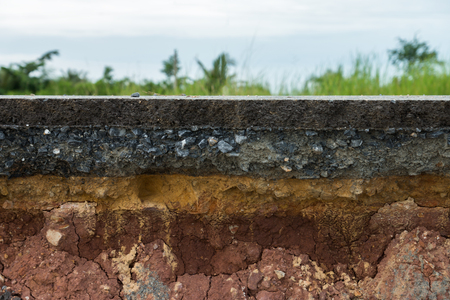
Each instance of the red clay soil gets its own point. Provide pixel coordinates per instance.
(89, 239)
(415, 266)
(68, 253)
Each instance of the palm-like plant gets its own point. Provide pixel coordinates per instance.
(218, 76)
(171, 68)
(18, 77)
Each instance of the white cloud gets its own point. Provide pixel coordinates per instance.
(218, 18)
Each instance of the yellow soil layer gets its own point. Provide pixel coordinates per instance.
(220, 194)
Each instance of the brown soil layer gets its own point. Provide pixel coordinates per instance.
(218, 237)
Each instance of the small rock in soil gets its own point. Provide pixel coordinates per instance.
(224, 147)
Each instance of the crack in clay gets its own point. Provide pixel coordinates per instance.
(75, 230)
(31, 291)
(209, 288)
(381, 257)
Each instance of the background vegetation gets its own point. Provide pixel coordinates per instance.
(418, 71)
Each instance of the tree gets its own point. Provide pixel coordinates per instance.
(171, 68)
(218, 76)
(74, 76)
(18, 77)
(412, 53)
(107, 74)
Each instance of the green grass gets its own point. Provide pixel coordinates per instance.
(363, 78)
(125, 87)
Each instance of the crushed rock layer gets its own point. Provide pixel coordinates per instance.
(219, 237)
(267, 152)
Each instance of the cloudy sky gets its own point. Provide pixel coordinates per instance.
(277, 38)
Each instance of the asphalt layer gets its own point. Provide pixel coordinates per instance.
(172, 112)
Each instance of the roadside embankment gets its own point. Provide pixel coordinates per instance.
(225, 197)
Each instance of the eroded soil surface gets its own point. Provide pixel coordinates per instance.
(179, 237)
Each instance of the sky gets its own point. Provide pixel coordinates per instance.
(274, 39)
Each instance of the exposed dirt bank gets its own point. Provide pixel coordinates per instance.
(219, 237)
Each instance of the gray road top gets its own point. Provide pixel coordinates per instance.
(295, 112)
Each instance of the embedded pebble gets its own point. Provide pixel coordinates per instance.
(435, 134)
(341, 143)
(317, 148)
(310, 133)
(280, 274)
(349, 133)
(113, 131)
(332, 145)
(212, 141)
(286, 168)
(202, 144)
(390, 131)
(356, 143)
(9, 163)
(182, 152)
(224, 147)
(239, 138)
(137, 131)
(182, 133)
(189, 141)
